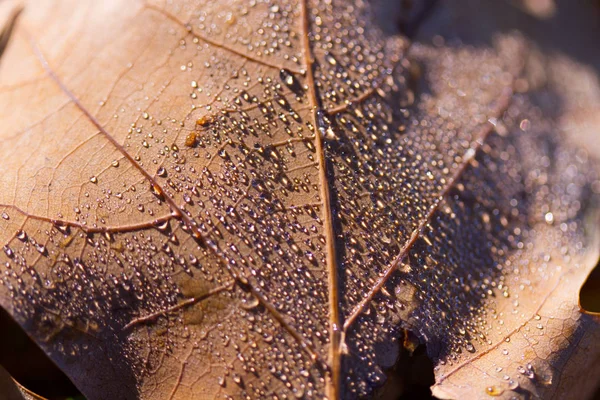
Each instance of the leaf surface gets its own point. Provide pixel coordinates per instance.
(205, 199)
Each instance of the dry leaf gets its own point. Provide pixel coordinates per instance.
(205, 199)
(8, 387)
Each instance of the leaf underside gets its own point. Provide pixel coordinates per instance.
(247, 199)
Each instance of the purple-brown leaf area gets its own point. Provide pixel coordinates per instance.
(257, 199)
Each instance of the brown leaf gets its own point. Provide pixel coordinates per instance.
(8, 387)
(207, 199)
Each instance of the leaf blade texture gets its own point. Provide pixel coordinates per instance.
(206, 199)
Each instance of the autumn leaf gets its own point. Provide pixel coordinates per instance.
(9, 388)
(252, 199)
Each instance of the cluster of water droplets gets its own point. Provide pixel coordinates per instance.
(211, 246)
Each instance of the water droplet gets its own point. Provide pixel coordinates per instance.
(191, 139)
(21, 235)
(291, 82)
(528, 371)
(204, 120)
(162, 226)
(157, 191)
(330, 59)
(299, 392)
(494, 391)
(41, 248)
(8, 251)
(64, 229)
(250, 303)
(325, 126)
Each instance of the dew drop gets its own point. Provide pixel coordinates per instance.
(41, 248)
(191, 139)
(64, 229)
(299, 393)
(291, 82)
(324, 125)
(529, 371)
(204, 121)
(250, 303)
(8, 251)
(21, 235)
(493, 391)
(157, 191)
(330, 59)
(162, 226)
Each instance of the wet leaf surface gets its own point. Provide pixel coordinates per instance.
(248, 199)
